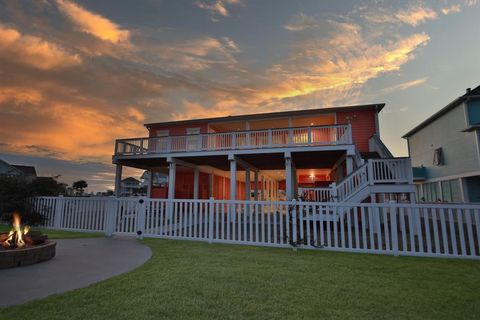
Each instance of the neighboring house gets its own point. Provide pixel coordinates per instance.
(130, 186)
(445, 152)
(27, 172)
(328, 154)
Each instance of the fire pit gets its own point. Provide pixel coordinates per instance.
(21, 247)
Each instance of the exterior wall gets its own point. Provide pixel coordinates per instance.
(178, 130)
(459, 149)
(363, 126)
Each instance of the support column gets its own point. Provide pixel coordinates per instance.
(118, 180)
(196, 182)
(172, 170)
(210, 185)
(288, 178)
(247, 184)
(349, 164)
(263, 188)
(233, 179)
(255, 187)
(149, 186)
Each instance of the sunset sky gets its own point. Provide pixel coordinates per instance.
(76, 75)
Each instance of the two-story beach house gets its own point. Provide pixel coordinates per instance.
(445, 152)
(327, 154)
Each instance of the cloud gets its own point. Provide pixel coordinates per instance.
(454, 8)
(415, 15)
(92, 23)
(34, 51)
(197, 53)
(217, 7)
(301, 22)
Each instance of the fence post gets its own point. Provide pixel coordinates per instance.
(294, 221)
(394, 229)
(141, 213)
(111, 215)
(58, 214)
(210, 219)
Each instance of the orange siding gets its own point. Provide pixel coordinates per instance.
(363, 126)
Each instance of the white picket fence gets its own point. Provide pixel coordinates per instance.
(434, 230)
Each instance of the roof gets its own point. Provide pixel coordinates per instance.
(27, 170)
(131, 179)
(475, 93)
(376, 106)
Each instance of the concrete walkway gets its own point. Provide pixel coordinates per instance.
(77, 263)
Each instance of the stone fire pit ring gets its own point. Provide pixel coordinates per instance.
(10, 258)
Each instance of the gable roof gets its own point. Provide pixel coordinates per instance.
(27, 170)
(475, 93)
(377, 107)
(131, 179)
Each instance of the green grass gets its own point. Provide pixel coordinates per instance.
(192, 280)
(57, 234)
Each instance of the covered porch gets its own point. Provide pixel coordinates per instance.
(253, 175)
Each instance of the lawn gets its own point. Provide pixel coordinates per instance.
(57, 234)
(193, 280)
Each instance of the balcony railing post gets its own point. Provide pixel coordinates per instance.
(270, 139)
(370, 172)
(349, 133)
(169, 143)
(309, 135)
(234, 140)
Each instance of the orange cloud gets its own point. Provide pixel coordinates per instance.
(93, 23)
(34, 51)
(218, 7)
(415, 15)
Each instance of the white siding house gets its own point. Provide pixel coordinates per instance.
(445, 152)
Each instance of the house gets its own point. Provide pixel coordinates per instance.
(130, 186)
(445, 152)
(27, 172)
(327, 154)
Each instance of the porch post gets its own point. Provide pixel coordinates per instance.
(172, 170)
(247, 184)
(210, 185)
(288, 177)
(349, 164)
(255, 187)
(263, 188)
(118, 180)
(196, 182)
(233, 179)
(149, 186)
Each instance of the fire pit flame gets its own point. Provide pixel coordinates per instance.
(16, 238)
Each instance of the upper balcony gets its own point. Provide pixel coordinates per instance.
(238, 140)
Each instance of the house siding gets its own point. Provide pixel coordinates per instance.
(178, 130)
(459, 148)
(363, 126)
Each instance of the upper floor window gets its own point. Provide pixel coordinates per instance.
(438, 157)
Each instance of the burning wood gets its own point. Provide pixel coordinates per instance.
(20, 238)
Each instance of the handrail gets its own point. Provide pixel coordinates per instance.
(266, 138)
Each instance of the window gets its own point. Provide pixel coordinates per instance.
(438, 157)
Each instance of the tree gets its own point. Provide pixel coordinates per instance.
(79, 186)
(15, 195)
(46, 186)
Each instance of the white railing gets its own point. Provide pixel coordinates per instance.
(351, 184)
(395, 170)
(269, 138)
(315, 194)
(434, 230)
